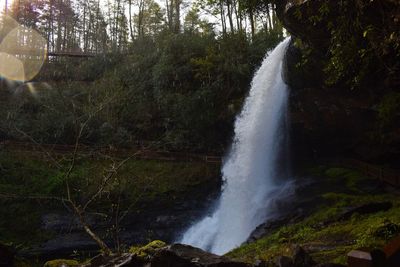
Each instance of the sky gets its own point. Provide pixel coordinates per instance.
(161, 2)
(2, 2)
(185, 8)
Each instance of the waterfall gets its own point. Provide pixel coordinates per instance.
(250, 172)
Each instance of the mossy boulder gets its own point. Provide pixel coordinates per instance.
(61, 263)
(148, 250)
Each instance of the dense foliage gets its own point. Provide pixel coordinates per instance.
(358, 41)
(181, 90)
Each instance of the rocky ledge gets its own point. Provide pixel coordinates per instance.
(332, 118)
(156, 254)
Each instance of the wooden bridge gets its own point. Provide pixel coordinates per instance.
(35, 52)
(72, 54)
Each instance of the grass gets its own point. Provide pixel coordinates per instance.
(331, 242)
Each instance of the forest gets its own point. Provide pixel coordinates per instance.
(199, 133)
(155, 77)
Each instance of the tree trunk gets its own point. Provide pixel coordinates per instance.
(269, 18)
(230, 17)
(234, 6)
(130, 19)
(140, 18)
(59, 37)
(223, 22)
(252, 26)
(106, 250)
(169, 6)
(84, 28)
(177, 21)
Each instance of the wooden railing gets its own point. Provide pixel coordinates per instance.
(71, 54)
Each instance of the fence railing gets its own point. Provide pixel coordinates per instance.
(384, 174)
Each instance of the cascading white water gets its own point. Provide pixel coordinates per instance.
(250, 170)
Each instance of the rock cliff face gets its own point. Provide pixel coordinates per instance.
(162, 219)
(332, 118)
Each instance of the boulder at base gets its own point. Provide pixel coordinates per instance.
(179, 255)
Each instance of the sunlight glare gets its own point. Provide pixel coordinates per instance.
(11, 68)
(23, 51)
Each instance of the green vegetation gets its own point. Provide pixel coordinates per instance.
(61, 263)
(362, 49)
(175, 84)
(328, 238)
(351, 177)
(33, 180)
(180, 92)
(389, 109)
(157, 82)
(149, 249)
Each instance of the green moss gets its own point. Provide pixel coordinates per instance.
(61, 263)
(351, 177)
(149, 249)
(388, 108)
(331, 241)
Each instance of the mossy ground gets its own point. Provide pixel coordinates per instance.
(139, 181)
(61, 262)
(340, 188)
(149, 249)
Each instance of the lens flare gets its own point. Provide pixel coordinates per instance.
(6, 25)
(11, 68)
(22, 51)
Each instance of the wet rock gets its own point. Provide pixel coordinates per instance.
(366, 257)
(301, 258)
(329, 265)
(310, 75)
(260, 263)
(340, 124)
(270, 226)
(162, 219)
(63, 245)
(179, 255)
(314, 32)
(284, 261)
(392, 252)
(6, 256)
(265, 229)
(372, 207)
(63, 222)
(123, 260)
